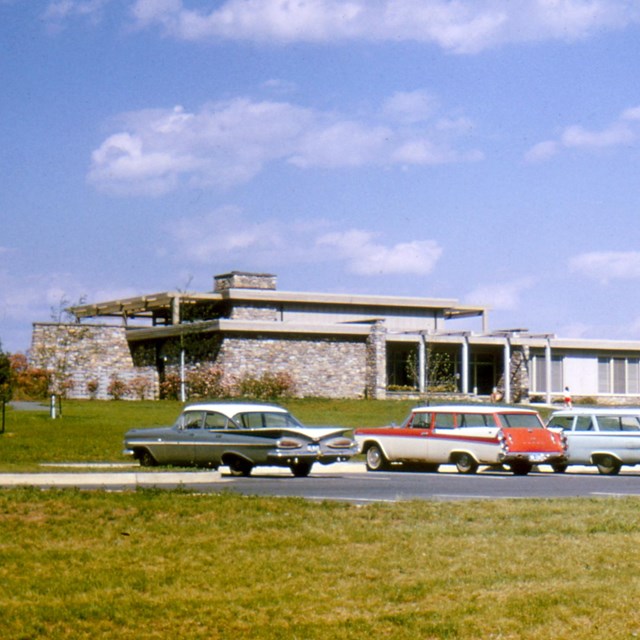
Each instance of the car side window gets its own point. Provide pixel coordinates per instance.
(191, 420)
(215, 420)
(583, 423)
(609, 423)
(630, 423)
(472, 420)
(561, 422)
(444, 421)
(421, 420)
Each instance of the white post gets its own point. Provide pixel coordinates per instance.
(547, 367)
(507, 371)
(183, 386)
(422, 364)
(465, 365)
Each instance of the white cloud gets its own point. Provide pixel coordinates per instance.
(60, 11)
(502, 296)
(604, 266)
(365, 256)
(226, 233)
(623, 131)
(228, 143)
(464, 26)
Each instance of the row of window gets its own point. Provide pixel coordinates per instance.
(615, 375)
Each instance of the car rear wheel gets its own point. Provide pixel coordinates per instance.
(147, 460)
(375, 458)
(608, 466)
(560, 467)
(301, 469)
(465, 463)
(521, 468)
(240, 467)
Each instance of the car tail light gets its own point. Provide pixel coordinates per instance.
(289, 443)
(502, 439)
(340, 443)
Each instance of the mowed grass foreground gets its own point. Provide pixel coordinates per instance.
(152, 564)
(176, 565)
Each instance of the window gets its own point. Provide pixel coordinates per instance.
(444, 420)
(421, 421)
(215, 420)
(473, 420)
(561, 422)
(609, 423)
(630, 423)
(540, 373)
(583, 423)
(619, 375)
(191, 420)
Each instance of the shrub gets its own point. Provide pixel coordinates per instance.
(139, 387)
(117, 388)
(269, 386)
(92, 388)
(29, 383)
(207, 382)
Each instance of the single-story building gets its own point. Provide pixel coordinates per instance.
(330, 345)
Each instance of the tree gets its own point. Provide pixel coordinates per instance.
(5, 382)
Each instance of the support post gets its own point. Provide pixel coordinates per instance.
(507, 371)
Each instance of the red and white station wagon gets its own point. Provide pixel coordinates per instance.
(467, 436)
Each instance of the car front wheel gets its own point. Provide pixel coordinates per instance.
(147, 460)
(608, 466)
(465, 463)
(376, 460)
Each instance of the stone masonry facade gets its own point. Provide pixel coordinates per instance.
(332, 367)
(84, 360)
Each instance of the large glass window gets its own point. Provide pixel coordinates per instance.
(619, 375)
(540, 373)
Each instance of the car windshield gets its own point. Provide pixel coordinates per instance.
(258, 419)
(523, 420)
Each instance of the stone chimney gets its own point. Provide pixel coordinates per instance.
(244, 280)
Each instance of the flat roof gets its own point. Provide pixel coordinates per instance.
(145, 305)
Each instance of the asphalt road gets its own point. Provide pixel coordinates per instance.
(396, 486)
(349, 482)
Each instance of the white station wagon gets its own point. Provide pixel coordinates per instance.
(606, 438)
(465, 435)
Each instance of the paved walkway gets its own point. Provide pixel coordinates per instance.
(111, 475)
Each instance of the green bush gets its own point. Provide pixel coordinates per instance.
(269, 386)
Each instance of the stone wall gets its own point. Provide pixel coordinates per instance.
(322, 367)
(78, 356)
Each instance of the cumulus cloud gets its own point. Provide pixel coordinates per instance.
(623, 131)
(226, 232)
(463, 27)
(365, 255)
(60, 11)
(604, 266)
(503, 296)
(229, 142)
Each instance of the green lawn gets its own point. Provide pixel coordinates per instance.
(157, 564)
(154, 564)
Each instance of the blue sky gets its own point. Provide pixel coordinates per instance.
(479, 150)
